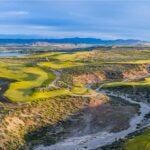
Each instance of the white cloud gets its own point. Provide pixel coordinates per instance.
(13, 13)
(38, 27)
(17, 13)
(26, 26)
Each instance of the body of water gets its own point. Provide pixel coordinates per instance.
(8, 54)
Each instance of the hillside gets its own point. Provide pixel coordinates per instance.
(78, 98)
(76, 40)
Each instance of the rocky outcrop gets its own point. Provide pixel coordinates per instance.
(139, 71)
(89, 78)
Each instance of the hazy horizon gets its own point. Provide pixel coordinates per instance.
(30, 36)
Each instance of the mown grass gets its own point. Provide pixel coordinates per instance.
(22, 90)
(141, 142)
(29, 76)
(79, 90)
(61, 60)
(26, 79)
(62, 56)
(59, 65)
(146, 82)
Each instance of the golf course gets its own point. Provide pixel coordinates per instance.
(40, 91)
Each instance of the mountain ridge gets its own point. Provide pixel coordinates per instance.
(75, 40)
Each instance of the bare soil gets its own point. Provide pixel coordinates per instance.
(94, 118)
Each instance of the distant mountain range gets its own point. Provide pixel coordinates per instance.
(76, 40)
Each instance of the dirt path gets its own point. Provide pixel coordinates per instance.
(57, 74)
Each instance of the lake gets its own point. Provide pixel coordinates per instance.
(7, 54)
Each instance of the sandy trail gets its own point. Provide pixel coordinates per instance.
(57, 74)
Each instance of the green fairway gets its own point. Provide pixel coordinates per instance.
(28, 77)
(141, 142)
(22, 90)
(79, 90)
(146, 82)
(59, 65)
(34, 72)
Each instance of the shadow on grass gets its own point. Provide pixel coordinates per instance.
(4, 84)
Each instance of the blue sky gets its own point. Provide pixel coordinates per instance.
(106, 19)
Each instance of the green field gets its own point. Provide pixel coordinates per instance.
(146, 82)
(28, 78)
(23, 90)
(141, 142)
(79, 90)
(34, 71)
